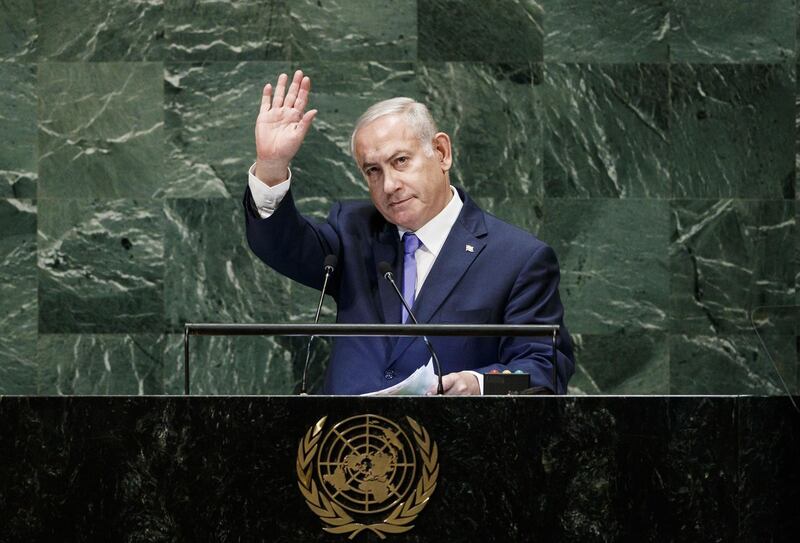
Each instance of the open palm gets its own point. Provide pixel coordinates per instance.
(282, 125)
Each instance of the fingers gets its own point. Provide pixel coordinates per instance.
(266, 97)
(294, 88)
(460, 384)
(280, 89)
(295, 97)
(302, 95)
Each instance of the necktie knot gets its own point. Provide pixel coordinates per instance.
(410, 243)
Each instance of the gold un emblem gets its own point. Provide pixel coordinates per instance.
(365, 473)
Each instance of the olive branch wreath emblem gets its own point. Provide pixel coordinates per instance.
(338, 520)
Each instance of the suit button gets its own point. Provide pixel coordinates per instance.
(389, 375)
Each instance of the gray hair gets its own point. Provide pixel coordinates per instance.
(416, 114)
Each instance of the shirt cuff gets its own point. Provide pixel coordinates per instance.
(479, 376)
(267, 198)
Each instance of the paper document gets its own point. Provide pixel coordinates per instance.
(418, 383)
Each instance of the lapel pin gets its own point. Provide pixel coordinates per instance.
(470, 248)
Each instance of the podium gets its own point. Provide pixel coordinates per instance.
(517, 468)
(543, 332)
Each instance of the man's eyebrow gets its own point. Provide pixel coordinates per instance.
(366, 163)
(400, 152)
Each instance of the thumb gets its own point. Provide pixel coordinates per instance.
(447, 381)
(305, 122)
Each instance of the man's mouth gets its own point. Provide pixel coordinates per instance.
(398, 202)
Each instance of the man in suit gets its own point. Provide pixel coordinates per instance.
(457, 263)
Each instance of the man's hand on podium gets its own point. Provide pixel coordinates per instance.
(462, 383)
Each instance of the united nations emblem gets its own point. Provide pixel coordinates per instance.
(365, 473)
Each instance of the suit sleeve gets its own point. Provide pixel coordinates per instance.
(534, 299)
(289, 242)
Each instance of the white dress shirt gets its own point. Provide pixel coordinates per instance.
(265, 197)
(432, 234)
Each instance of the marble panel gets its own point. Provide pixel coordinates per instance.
(584, 501)
(19, 372)
(299, 30)
(728, 257)
(101, 266)
(606, 131)
(634, 363)
(245, 365)
(718, 31)
(17, 31)
(209, 113)
(769, 446)
(730, 364)
(211, 110)
(612, 253)
(642, 474)
(212, 276)
(18, 168)
(18, 301)
(100, 30)
(18, 306)
(606, 31)
(499, 31)
(639, 503)
(524, 213)
(700, 474)
(103, 365)
(490, 112)
(779, 347)
(732, 131)
(100, 129)
(568, 469)
(225, 30)
(363, 30)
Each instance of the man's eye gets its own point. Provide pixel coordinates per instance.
(402, 160)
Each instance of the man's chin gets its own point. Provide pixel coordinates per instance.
(403, 221)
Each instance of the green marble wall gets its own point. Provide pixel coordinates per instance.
(653, 143)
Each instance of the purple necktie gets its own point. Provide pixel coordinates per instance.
(410, 245)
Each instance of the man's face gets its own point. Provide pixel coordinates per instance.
(407, 186)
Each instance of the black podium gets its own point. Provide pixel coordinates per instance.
(507, 468)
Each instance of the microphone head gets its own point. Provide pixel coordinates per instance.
(385, 268)
(330, 263)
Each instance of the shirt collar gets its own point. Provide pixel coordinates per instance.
(434, 232)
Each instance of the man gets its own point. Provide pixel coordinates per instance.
(456, 263)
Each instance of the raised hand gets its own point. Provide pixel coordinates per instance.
(281, 126)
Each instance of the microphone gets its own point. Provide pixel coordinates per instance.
(329, 266)
(386, 271)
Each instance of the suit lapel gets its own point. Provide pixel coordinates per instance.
(453, 261)
(385, 249)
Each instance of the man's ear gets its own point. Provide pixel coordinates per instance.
(443, 150)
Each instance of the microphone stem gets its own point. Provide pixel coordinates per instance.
(439, 387)
(303, 391)
(322, 295)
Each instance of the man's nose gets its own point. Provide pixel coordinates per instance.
(390, 182)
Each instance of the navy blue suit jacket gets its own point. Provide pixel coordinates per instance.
(510, 277)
